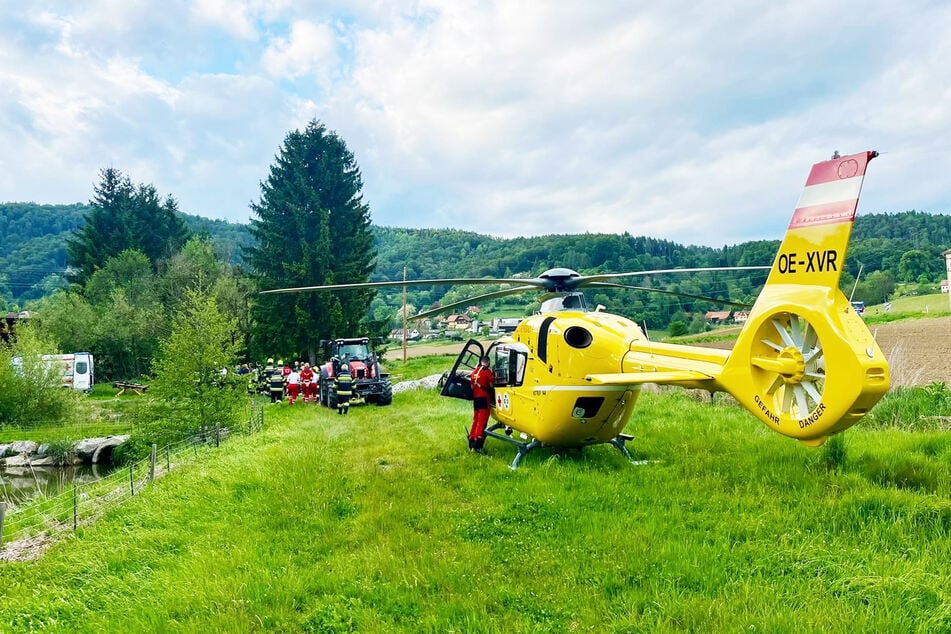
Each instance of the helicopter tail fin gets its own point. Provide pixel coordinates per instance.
(805, 363)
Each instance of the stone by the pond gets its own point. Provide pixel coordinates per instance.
(18, 460)
(45, 461)
(21, 447)
(90, 451)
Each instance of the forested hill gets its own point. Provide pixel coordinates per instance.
(33, 249)
(33, 245)
(879, 242)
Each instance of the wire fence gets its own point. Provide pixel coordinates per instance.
(27, 527)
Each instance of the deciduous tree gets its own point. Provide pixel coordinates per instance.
(194, 387)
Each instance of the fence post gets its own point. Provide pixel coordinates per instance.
(75, 507)
(168, 458)
(3, 512)
(217, 435)
(131, 481)
(152, 462)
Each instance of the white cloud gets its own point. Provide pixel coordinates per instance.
(610, 118)
(311, 48)
(502, 117)
(228, 15)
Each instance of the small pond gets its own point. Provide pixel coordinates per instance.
(20, 484)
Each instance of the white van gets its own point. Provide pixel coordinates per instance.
(77, 369)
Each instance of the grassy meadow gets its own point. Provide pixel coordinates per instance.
(909, 306)
(381, 521)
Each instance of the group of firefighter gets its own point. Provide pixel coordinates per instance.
(299, 380)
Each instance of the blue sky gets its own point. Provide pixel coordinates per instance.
(689, 121)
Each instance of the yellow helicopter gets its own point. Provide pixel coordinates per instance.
(804, 363)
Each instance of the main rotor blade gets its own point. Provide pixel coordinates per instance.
(436, 282)
(587, 280)
(666, 292)
(474, 300)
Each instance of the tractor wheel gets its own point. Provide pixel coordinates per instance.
(386, 397)
(323, 388)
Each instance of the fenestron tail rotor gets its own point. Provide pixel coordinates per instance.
(796, 370)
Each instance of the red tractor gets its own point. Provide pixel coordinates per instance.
(370, 383)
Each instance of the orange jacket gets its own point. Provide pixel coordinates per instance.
(482, 380)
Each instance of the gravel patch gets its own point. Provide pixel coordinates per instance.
(427, 382)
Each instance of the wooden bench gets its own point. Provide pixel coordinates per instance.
(122, 386)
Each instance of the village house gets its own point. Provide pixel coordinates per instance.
(504, 324)
(458, 322)
(717, 317)
(411, 335)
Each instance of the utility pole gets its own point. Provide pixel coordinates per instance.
(404, 314)
(947, 266)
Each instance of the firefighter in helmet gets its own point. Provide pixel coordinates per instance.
(276, 382)
(344, 386)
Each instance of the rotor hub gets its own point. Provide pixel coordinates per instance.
(794, 365)
(560, 279)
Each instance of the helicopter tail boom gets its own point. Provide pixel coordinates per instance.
(805, 363)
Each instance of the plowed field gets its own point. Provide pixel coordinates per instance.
(918, 350)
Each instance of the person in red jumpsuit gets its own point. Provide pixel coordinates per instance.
(307, 381)
(482, 380)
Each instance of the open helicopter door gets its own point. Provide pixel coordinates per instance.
(457, 383)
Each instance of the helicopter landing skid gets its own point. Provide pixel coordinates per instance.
(525, 447)
(619, 442)
(522, 447)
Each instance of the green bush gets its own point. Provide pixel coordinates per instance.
(677, 328)
(61, 451)
(31, 392)
(136, 448)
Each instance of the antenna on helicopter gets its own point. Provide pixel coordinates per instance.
(855, 285)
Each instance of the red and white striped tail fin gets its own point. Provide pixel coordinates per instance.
(813, 250)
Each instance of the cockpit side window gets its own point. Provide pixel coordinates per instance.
(500, 365)
(517, 363)
(508, 365)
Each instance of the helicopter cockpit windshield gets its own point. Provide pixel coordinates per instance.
(571, 301)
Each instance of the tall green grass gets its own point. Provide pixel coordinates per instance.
(381, 521)
(915, 408)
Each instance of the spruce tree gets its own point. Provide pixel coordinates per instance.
(124, 216)
(311, 228)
